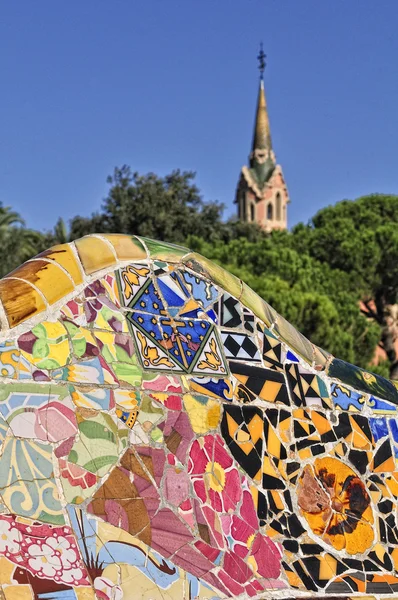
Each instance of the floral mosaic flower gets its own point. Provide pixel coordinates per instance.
(264, 554)
(55, 558)
(10, 538)
(336, 505)
(76, 475)
(215, 479)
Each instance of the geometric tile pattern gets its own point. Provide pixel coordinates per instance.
(306, 388)
(159, 439)
(239, 346)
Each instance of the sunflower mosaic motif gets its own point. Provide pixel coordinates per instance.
(165, 434)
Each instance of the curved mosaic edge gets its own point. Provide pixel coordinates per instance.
(41, 284)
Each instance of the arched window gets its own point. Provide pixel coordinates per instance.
(278, 206)
(270, 212)
(243, 205)
(252, 215)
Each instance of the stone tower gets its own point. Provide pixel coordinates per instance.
(262, 195)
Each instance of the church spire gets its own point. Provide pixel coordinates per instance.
(262, 133)
(262, 158)
(261, 195)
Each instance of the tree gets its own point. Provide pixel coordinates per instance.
(167, 208)
(17, 243)
(361, 239)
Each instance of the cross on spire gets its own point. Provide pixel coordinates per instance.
(261, 61)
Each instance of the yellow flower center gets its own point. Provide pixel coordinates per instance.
(215, 476)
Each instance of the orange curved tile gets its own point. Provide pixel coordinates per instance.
(48, 277)
(20, 300)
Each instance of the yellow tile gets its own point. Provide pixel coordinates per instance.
(57, 350)
(304, 453)
(18, 592)
(273, 444)
(269, 391)
(392, 484)
(293, 579)
(84, 593)
(64, 256)
(203, 417)
(127, 247)
(327, 567)
(95, 254)
(321, 423)
(256, 428)
(47, 277)
(277, 498)
(6, 570)
(243, 440)
(20, 300)
(269, 469)
(394, 557)
(299, 413)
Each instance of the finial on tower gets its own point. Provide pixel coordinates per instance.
(261, 61)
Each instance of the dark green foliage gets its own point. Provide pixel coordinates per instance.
(17, 243)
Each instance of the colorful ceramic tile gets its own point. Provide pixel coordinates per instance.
(363, 381)
(20, 300)
(63, 255)
(47, 277)
(306, 388)
(164, 433)
(95, 253)
(26, 472)
(271, 348)
(347, 399)
(256, 382)
(239, 346)
(126, 247)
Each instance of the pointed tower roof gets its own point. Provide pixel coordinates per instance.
(262, 133)
(262, 157)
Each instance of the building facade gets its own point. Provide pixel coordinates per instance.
(262, 195)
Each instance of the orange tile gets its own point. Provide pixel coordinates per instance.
(321, 423)
(50, 279)
(20, 300)
(95, 254)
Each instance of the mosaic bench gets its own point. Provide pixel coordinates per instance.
(165, 434)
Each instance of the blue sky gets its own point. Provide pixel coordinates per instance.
(161, 84)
